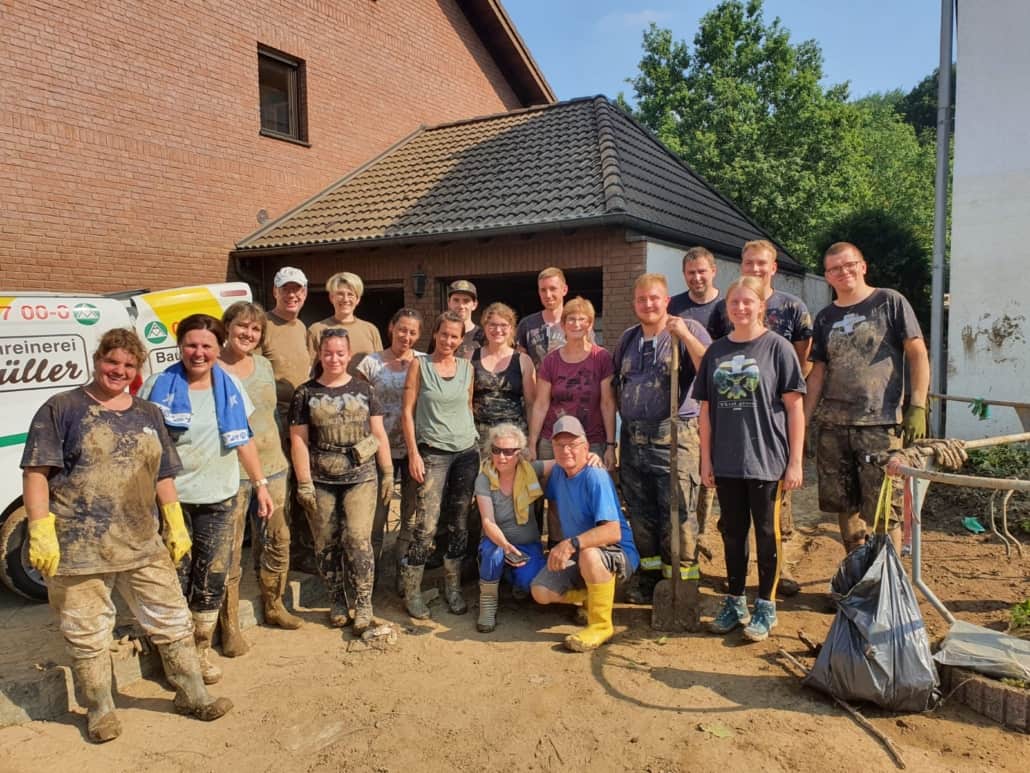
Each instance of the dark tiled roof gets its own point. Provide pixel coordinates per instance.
(581, 162)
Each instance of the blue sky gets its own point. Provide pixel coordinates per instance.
(587, 47)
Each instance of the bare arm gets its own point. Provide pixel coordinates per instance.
(602, 535)
(36, 492)
(412, 385)
(814, 383)
(919, 369)
(802, 349)
(166, 493)
(383, 457)
(695, 348)
(299, 454)
(536, 418)
(528, 384)
(793, 477)
(608, 417)
(490, 528)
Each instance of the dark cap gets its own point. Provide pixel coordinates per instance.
(568, 425)
(462, 286)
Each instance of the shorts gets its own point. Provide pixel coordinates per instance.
(568, 578)
(848, 483)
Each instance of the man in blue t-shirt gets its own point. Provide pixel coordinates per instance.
(596, 547)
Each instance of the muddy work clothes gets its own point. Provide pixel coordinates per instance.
(743, 503)
(850, 477)
(205, 570)
(106, 466)
(342, 531)
(86, 611)
(497, 397)
(444, 494)
(645, 478)
(269, 537)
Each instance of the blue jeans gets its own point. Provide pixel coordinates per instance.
(444, 494)
(204, 571)
(492, 567)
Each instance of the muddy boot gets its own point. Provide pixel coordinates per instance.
(452, 586)
(93, 676)
(487, 621)
(203, 631)
(182, 667)
(363, 617)
(339, 613)
(233, 643)
(273, 584)
(412, 579)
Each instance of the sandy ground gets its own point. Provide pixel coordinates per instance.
(446, 697)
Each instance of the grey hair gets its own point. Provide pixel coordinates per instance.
(505, 430)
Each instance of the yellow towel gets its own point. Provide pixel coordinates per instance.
(525, 491)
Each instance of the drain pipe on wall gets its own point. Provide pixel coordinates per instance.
(938, 353)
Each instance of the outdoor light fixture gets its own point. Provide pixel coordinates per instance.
(418, 280)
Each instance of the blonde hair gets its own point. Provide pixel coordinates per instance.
(551, 271)
(505, 312)
(505, 430)
(245, 311)
(752, 283)
(345, 279)
(760, 244)
(578, 305)
(651, 279)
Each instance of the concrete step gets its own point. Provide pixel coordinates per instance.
(35, 674)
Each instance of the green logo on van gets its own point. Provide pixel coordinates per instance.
(86, 313)
(155, 332)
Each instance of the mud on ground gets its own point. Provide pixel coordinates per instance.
(446, 697)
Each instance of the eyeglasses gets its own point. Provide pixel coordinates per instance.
(838, 270)
(567, 445)
(504, 451)
(498, 326)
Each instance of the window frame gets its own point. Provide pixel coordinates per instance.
(297, 95)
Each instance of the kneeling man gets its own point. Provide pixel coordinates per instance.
(596, 546)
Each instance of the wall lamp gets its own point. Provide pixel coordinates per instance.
(418, 281)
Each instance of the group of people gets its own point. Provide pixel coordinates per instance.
(151, 492)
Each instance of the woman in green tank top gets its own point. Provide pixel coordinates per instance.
(442, 458)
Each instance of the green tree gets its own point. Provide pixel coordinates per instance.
(746, 109)
(919, 106)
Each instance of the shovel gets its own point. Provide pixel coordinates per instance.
(676, 602)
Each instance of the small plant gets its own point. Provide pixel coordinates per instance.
(1005, 461)
(1019, 615)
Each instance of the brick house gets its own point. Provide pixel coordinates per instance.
(494, 199)
(139, 141)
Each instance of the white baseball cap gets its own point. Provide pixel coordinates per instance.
(288, 274)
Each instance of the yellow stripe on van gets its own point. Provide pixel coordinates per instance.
(171, 306)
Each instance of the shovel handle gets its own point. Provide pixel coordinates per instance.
(674, 486)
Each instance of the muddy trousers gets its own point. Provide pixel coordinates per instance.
(444, 494)
(850, 479)
(86, 613)
(744, 502)
(204, 571)
(409, 494)
(342, 530)
(269, 537)
(645, 478)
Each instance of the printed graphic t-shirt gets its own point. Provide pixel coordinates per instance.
(744, 384)
(538, 338)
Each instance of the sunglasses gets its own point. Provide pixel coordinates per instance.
(333, 332)
(504, 451)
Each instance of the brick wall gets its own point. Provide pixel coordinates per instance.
(620, 261)
(129, 145)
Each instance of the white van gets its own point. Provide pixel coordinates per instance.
(47, 342)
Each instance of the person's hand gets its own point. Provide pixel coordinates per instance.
(707, 474)
(386, 485)
(794, 476)
(914, 423)
(947, 454)
(176, 536)
(593, 460)
(609, 458)
(677, 326)
(265, 503)
(306, 496)
(417, 467)
(529, 452)
(560, 555)
(44, 550)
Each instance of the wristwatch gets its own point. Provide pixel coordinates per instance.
(574, 541)
(261, 482)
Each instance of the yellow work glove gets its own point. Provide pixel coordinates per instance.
(914, 423)
(44, 551)
(176, 538)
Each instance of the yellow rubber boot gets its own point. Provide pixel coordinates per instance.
(600, 599)
(574, 596)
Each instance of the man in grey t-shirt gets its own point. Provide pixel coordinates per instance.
(541, 333)
(862, 344)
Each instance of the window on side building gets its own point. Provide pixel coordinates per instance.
(283, 104)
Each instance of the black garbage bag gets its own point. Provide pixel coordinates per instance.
(877, 649)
